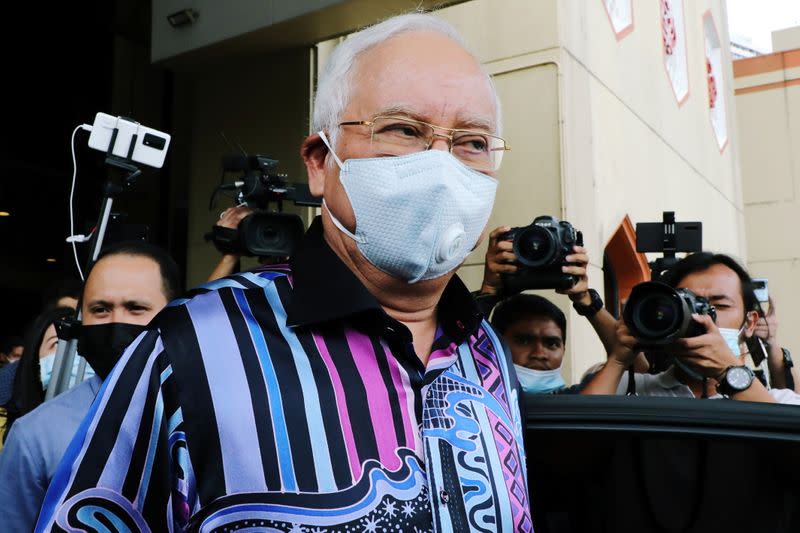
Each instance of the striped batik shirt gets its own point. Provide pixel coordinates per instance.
(288, 400)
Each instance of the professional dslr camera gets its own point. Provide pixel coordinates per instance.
(266, 232)
(656, 314)
(541, 248)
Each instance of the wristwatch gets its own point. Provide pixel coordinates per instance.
(736, 379)
(594, 306)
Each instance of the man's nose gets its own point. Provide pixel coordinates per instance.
(538, 351)
(440, 142)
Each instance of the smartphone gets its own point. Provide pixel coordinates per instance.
(758, 352)
(761, 289)
(142, 144)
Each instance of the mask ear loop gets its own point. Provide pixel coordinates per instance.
(330, 148)
(357, 238)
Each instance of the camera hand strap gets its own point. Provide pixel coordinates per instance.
(631, 382)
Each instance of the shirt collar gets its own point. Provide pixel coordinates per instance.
(325, 289)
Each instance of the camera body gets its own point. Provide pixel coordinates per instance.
(657, 314)
(266, 232)
(260, 234)
(541, 249)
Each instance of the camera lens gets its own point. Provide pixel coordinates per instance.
(271, 234)
(656, 315)
(535, 246)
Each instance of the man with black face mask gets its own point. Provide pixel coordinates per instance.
(127, 286)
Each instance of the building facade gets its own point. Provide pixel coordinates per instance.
(768, 111)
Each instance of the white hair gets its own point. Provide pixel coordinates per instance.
(333, 87)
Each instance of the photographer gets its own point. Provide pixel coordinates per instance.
(501, 261)
(707, 365)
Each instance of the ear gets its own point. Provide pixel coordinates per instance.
(750, 321)
(314, 154)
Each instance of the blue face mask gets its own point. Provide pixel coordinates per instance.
(540, 381)
(418, 216)
(46, 368)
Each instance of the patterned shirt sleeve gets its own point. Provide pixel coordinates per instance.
(127, 465)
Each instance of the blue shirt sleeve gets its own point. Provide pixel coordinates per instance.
(23, 482)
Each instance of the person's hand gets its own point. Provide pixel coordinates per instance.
(626, 348)
(231, 217)
(580, 291)
(708, 353)
(767, 326)
(500, 259)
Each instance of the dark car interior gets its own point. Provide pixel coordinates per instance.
(614, 464)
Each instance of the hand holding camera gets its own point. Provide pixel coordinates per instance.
(500, 259)
(707, 353)
(547, 254)
(576, 265)
(679, 323)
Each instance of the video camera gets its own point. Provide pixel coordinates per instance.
(541, 249)
(266, 232)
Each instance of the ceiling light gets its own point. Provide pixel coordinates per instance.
(5, 214)
(51, 259)
(184, 17)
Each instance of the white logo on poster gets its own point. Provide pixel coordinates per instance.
(621, 14)
(673, 34)
(716, 82)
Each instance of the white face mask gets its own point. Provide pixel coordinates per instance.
(46, 368)
(418, 216)
(539, 381)
(732, 337)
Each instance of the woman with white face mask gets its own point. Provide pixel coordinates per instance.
(36, 365)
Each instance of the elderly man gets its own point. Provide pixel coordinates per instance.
(127, 286)
(359, 391)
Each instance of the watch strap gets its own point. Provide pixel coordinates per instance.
(592, 308)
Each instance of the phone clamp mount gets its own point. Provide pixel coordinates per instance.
(123, 163)
(668, 238)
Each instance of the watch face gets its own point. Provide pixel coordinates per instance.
(738, 378)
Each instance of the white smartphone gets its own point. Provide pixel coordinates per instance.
(761, 289)
(149, 145)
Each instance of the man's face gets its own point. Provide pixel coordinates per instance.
(535, 342)
(420, 75)
(722, 287)
(123, 288)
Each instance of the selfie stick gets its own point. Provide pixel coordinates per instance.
(66, 351)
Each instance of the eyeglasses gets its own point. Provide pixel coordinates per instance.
(402, 136)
